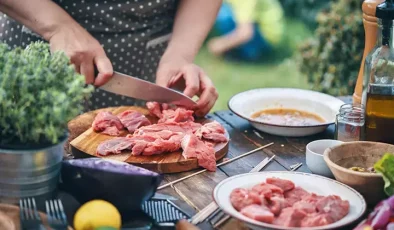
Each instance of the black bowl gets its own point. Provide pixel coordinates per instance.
(124, 185)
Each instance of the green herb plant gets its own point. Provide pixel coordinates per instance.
(385, 167)
(39, 93)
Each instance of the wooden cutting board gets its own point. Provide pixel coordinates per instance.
(84, 142)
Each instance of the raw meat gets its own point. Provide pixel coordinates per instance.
(184, 127)
(107, 123)
(333, 206)
(178, 115)
(285, 185)
(267, 202)
(212, 131)
(154, 109)
(258, 212)
(132, 120)
(290, 217)
(240, 198)
(195, 148)
(114, 146)
(295, 195)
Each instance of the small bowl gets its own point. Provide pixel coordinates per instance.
(359, 154)
(247, 103)
(314, 156)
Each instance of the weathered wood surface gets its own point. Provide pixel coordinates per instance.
(86, 143)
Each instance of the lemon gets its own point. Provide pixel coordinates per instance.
(95, 214)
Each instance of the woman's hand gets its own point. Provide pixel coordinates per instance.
(173, 72)
(84, 51)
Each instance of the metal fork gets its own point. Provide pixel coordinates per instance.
(29, 217)
(56, 216)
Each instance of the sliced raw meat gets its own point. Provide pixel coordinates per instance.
(154, 109)
(312, 198)
(162, 146)
(132, 120)
(114, 146)
(258, 212)
(266, 190)
(184, 127)
(240, 198)
(333, 206)
(295, 195)
(316, 219)
(290, 217)
(178, 115)
(305, 206)
(195, 148)
(276, 204)
(107, 123)
(285, 185)
(212, 131)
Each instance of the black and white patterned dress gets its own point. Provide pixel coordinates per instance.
(134, 34)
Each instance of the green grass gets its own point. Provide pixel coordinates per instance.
(231, 77)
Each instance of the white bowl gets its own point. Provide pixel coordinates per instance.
(310, 182)
(249, 102)
(315, 156)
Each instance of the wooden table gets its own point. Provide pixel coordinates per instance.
(196, 193)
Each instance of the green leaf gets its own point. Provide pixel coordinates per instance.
(385, 167)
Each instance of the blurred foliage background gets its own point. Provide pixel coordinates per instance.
(321, 50)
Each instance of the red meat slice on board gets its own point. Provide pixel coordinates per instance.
(290, 217)
(258, 212)
(316, 219)
(193, 147)
(212, 131)
(241, 198)
(296, 194)
(285, 185)
(114, 146)
(333, 206)
(154, 109)
(184, 127)
(107, 123)
(266, 190)
(132, 120)
(178, 115)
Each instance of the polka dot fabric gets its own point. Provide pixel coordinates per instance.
(125, 29)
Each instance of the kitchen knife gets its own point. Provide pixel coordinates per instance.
(136, 88)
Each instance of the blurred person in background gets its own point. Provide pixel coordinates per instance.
(248, 29)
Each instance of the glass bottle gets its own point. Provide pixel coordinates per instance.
(349, 123)
(378, 87)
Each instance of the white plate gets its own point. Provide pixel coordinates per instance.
(310, 182)
(246, 103)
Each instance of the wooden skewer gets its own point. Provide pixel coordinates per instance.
(223, 163)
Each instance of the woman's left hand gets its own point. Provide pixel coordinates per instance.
(178, 72)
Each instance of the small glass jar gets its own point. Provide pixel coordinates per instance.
(349, 124)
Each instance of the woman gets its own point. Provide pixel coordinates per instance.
(152, 39)
(248, 29)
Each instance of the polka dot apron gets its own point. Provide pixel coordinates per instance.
(134, 35)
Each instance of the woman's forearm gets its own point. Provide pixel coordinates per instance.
(44, 17)
(193, 21)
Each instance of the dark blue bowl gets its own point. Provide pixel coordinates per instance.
(124, 185)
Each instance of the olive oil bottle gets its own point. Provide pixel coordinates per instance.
(378, 94)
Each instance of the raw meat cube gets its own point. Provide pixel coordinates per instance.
(195, 148)
(333, 206)
(305, 206)
(132, 120)
(267, 190)
(114, 146)
(107, 123)
(212, 131)
(290, 217)
(240, 198)
(258, 212)
(276, 204)
(316, 219)
(285, 185)
(295, 195)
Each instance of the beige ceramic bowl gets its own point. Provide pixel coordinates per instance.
(358, 154)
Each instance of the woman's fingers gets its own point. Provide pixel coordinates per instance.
(104, 68)
(192, 81)
(87, 69)
(208, 96)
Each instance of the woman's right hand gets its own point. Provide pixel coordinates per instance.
(84, 51)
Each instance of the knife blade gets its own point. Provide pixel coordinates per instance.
(159, 196)
(137, 88)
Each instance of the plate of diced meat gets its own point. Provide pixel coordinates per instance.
(161, 138)
(289, 200)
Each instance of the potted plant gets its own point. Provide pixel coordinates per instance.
(39, 93)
